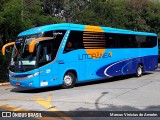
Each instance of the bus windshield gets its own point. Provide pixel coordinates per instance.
(44, 51)
(21, 59)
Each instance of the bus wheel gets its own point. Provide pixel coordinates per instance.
(69, 80)
(139, 71)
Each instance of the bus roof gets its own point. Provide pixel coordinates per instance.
(67, 26)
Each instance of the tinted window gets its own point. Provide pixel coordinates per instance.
(111, 40)
(146, 41)
(100, 40)
(49, 48)
(45, 55)
(125, 41)
(57, 37)
(75, 41)
(129, 41)
(141, 41)
(151, 41)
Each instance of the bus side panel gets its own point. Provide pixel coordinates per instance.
(91, 66)
(126, 63)
(150, 63)
(49, 75)
(72, 61)
(122, 62)
(116, 62)
(128, 66)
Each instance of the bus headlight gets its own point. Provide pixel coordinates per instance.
(24, 76)
(35, 74)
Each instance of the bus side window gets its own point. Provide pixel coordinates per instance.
(125, 41)
(45, 55)
(111, 40)
(74, 42)
(69, 46)
(134, 42)
(141, 41)
(151, 42)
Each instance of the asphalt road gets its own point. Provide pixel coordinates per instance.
(125, 93)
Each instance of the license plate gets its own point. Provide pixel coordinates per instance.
(18, 84)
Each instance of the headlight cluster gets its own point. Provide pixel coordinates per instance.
(33, 75)
(25, 77)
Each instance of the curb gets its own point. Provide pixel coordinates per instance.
(4, 84)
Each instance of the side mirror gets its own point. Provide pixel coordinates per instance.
(5, 46)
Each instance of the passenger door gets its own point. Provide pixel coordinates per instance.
(45, 66)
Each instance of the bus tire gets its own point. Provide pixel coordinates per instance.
(69, 80)
(139, 71)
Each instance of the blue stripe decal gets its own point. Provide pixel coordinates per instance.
(128, 66)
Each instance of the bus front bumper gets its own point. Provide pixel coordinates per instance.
(31, 83)
(24, 80)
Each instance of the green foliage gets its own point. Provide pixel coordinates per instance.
(12, 22)
(19, 15)
(44, 20)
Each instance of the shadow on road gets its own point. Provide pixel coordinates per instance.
(38, 90)
(113, 79)
(104, 112)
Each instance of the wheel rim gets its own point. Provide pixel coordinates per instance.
(68, 80)
(139, 71)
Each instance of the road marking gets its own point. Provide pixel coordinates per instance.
(5, 84)
(7, 99)
(11, 108)
(27, 98)
(47, 104)
(16, 109)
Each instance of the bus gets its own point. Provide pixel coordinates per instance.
(65, 54)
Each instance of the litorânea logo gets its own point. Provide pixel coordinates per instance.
(96, 55)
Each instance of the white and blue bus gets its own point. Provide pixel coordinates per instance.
(65, 54)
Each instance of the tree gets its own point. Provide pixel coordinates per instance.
(13, 23)
(17, 16)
